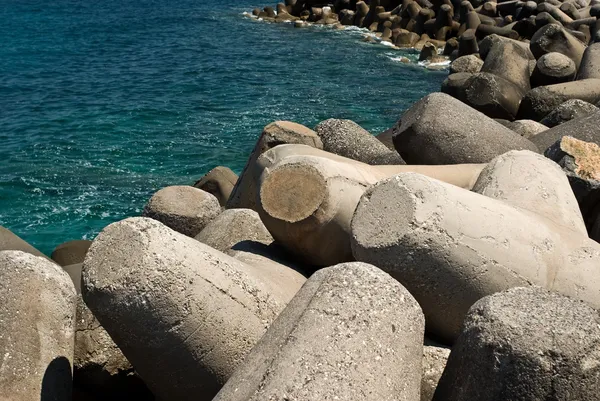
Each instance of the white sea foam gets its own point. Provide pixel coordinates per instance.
(352, 28)
(437, 65)
(399, 59)
(384, 43)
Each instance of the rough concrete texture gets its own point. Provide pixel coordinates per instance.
(492, 95)
(555, 38)
(243, 195)
(10, 241)
(568, 111)
(183, 208)
(581, 163)
(525, 344)
(469, 63)
(385, 137)
(534, 183)
(261, 255)
(510, 61)
(486, 44)
(100, 368)
(274, 267)
(583, 128)
(540, 101)
(184, 314)
(347, 138)
(590, 64)
(434, 362)
(439, 129)
(351, 333)
(219, 182)
(455, 85)
(70, 252)
(37, 326)
(233, 226)
(526, 128)
(451, 247)
(308, 197)
(553, 68)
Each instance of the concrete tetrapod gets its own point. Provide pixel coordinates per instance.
(183, 208)
(308, 197)
(233, 226)
(37, 326)
(525, 344)
(351, 333)
(184, 314)
(219, 182)
(99, 366)
(451, 247)
(347, 138)
(532, 182)
(583, 128)
(277, 133)
(439, 129)
(10, 241)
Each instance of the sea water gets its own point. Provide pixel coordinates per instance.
(104, 102)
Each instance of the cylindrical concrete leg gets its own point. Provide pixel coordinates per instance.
(532, 182)
(243, 194)
(451, 247)
(184, 314)
(308, 197)
(37, 329)
(525, 344)
(351, 333)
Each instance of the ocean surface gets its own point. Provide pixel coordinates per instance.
(104, 102)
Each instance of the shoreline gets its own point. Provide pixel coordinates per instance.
(440, 64)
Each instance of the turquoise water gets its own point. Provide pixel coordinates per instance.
(104, 102)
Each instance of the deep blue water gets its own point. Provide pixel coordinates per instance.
(103, 102)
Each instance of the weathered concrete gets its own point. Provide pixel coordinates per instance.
(283, 276)
(243, 195)
(431, 245)
(469, 63)
(439, 129)
(526, 128)
(233, 226)
(185, 209)
(567, 111)
(540, 101)
(510, 61)
(219, 182)
(590, 63)
(100, 368)
(351, 333)
(553, 68)
(37, 325)
(525, 344)
(71, 252)
(454, 85)
(434, 362)
(555, 38)
(348, 139)
(532, 182)
(584, 128)
(184, 314)
(492, 95)
(308, 197)
(10, 241)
